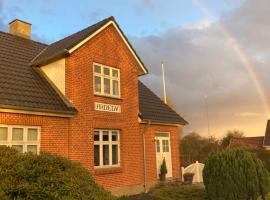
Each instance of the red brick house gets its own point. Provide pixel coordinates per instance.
(80, 97)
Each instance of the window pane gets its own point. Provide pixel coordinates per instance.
(96, 135)
(97, 84)
(107, 86)
(105, 135)
(106, 155)
(32, 134)
(115, 73)
(96, 155)
(115, 87)
(165, 145)
(32, 148)
(3, 133)
(17, 134)
(158, 146)
(18, 148)
(106, 71)
(114, 154)
(97, 69)
(114, 136)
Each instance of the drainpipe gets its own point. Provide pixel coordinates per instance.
(144, 155)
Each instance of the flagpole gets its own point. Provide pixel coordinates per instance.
(164, 84)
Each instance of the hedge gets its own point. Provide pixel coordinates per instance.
(45, 176)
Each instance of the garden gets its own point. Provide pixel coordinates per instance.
(229, 174)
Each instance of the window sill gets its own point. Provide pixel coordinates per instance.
(111, 97)
(109, 170)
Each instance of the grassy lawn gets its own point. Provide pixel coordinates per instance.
(173, 192)
(176, 191)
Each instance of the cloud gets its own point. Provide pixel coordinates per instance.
(8, 13)
(247, 114)
(200, 60)
(142, 6)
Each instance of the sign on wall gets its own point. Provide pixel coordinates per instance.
(107, 107)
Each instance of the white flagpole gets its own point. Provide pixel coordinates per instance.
(164, 84)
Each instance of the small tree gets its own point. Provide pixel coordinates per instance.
(234, 174)
(163, 170)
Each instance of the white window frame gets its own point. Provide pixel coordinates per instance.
(110, 143)
(24, 142)
(111, 78)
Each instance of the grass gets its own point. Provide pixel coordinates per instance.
(172, 192)
(176, 191)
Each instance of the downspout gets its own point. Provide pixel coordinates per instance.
(144, 155)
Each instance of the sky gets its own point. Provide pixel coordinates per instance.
(216, 53)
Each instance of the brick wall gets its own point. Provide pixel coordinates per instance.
(109, 49)
(54, 130)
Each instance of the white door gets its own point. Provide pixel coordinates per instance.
(163, 151)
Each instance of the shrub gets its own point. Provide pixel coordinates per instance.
(234, 174)
(45, 176)
(263, 155)
(163, 167)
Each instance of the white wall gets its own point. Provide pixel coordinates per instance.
(56, 72)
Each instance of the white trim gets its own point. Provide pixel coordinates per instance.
(122, 36)
(161, 150)
(159, 123)
(24, 142)
(110, 143)
(15, 111)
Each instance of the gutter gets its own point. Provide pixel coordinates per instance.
(144, 155)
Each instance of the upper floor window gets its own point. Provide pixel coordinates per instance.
(22, 138)
(106, 81)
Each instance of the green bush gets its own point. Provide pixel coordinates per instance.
(234, 174)
(178, 192)
(163, 167)
(263, 155)
(45, 176)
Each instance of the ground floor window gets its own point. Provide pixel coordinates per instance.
(106, 148)
(22, 138)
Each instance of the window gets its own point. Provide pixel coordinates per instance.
(106, 81)
(165, 146)
(106, 148)
(22, 138)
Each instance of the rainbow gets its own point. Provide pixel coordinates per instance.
(247, 63)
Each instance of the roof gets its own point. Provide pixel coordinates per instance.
(248, 141)
(63, 47)
(21, 87)
(152, 108)
(24, 87)
(266, 141)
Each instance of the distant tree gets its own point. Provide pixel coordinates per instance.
(196, 148)
(225, 141)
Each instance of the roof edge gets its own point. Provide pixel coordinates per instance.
(145, 120)
(64, 52)
(111, 20)
(35, 111)
(60, 94)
